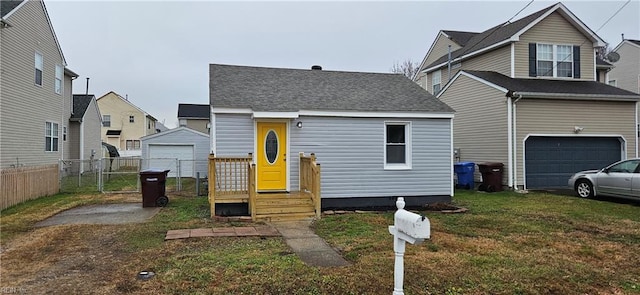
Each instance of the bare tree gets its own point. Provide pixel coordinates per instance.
(407, 68)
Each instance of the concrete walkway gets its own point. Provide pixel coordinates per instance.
(311, 249)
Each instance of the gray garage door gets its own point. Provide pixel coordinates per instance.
(550, 161)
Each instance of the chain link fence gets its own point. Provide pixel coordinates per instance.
(80, 176)
(122, 175)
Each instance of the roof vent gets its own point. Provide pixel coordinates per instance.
(316, 67)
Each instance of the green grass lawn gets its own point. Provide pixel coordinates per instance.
(507, 243)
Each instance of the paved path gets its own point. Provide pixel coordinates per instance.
(102, 214)
(311, 249)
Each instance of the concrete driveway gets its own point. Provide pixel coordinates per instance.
(102, 214)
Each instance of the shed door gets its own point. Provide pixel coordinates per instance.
(550, 161)
(272, 157)
(164, 157)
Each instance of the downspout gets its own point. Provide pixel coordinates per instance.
(515, 145)
(510, 140)
(81, 145)
(637, 129)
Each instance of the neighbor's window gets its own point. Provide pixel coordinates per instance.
(64, 133)
(58, 82)
(132, 119)
(554, 60)
(106, 120)
(133, 145)
(436, 81)
(613, 82)
(397, 148)
(39, 64)
(51, 137)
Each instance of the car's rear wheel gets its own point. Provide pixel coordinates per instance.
(584, 189)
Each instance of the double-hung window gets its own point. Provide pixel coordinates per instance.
(554, 60)
(133, 145)
(51, 137)
(106, 120)
(436, 80)
(58, 82)
(39, 65)
(397, 147)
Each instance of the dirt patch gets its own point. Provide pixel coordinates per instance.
(65, 258)
(445, 208)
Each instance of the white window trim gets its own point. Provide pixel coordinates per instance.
(59, 78)
(57, 147)
(105, 121)
(554, 62)
(613, 83)
(35, 67)
(439, 75)
(408, 144)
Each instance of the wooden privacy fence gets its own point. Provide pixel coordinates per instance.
(310, 180)
(229, 178)
(22, 184)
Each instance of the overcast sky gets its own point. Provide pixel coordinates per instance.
(158, 53)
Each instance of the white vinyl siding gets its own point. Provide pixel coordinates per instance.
(51, 137)
(58, 82)
(397, 147)
(39, 67)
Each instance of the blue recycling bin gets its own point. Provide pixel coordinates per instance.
(464, 171)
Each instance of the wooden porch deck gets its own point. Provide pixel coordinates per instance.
(234, 182)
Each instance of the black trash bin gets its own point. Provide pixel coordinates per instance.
(491, 177)
(153, 184)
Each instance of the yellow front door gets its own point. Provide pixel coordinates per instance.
(272, 157)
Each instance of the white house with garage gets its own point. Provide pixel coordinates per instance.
(181, 147)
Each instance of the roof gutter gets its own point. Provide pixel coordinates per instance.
(576, 96)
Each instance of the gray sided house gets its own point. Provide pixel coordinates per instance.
(84, 128)
(377, 136)
(189, 147)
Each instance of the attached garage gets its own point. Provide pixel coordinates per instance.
(182, 147)
(550, 161)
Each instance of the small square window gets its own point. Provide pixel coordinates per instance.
(132, 119)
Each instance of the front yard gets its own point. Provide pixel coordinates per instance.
(506, 243)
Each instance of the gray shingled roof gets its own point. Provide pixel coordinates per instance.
(80, 104)
(290, 90)
(637, 42)
(7, 6)
(491, 36)
(187, 110)
(544, 86)
(460, 37)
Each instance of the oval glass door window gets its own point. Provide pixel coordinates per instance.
(271, 146)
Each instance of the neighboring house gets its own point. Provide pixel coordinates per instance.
(626, 71)
(377, 136)
(526, 95)
(190, 147)
(123, 124)
(194, 116)
(84, 128)
(35, 88)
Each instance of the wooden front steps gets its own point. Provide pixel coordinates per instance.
(284, 206)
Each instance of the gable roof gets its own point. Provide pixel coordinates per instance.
(199, 111)
(635, 43)
(179, 129)
(128, 102)
(506, 33)
(292, 90)
(551, 88)
(80, 104)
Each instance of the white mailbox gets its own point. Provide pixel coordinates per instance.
(408, 227)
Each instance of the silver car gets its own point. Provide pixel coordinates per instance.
(620, 179)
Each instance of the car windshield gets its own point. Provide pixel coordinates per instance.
(625, 167)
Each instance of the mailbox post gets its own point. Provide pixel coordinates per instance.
(408, 227)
